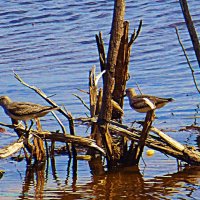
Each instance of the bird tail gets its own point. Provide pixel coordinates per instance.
(55, 108)
(171, 99)
(49, 109)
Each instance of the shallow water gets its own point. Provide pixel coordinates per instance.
(51, 44)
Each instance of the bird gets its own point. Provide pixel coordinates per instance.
(144, 103)
(25, 110)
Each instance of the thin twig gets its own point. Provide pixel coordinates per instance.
(135, 34)
(81, 101)
(44, 96)
(188, 61)
(83, 91)
(139, 88)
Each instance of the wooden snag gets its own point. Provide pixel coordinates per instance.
(39, 151)
(109, 77)
(95, 106)
(121, 77)
(92, 92)
(101, 50)
(191, 28)
(121, 69)
(150, 116)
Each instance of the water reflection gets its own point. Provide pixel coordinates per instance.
(34, 178)
(122, 183)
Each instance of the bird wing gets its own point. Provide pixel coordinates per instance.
(139, 103)
(155, 99)
(26, 108)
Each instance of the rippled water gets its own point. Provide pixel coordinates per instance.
(51, 44)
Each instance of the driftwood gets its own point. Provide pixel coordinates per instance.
(13, 148)
(51, 102)
(163, 143)
(52, 136)
(107, 136)
(36, 150)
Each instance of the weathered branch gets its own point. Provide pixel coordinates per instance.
(173, 143)
(101, 50)
(92, 91)
(188, 61)
(109, 81)
(81, 100)
(135, 35)
(53, 136)
(13, 148)
(150, 116)
(164, 145)
(191, 28)
(44, 96)
(121, 70)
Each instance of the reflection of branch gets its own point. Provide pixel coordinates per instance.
(74, 174)
(189, 64)
(68, 171)
(54, 173)
(175, 181)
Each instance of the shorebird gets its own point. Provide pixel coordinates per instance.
(144, 103)
(24, 110)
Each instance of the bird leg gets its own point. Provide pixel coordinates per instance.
(26, 125)
(38, 124)
(30, 126)
(28, 129)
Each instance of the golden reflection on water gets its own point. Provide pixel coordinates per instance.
(124, 183)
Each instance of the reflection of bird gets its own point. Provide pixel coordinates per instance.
(24, 110)
(145, 103)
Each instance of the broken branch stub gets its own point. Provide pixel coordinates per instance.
(106, 108)
(121, 69)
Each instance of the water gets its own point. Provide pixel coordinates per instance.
(51, 44)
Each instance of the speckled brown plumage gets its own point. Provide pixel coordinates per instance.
(24, 110)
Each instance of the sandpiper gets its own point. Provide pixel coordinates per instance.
(145, 103)
(24, 110)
